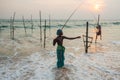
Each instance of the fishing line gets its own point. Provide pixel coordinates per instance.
(72, 14)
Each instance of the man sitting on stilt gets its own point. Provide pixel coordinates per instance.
(98, 33)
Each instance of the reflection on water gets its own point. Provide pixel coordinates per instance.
(98, 48)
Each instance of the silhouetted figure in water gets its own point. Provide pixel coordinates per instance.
(98, 33)
(60, 48)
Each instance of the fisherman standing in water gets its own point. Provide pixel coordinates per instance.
(98, 33)
(60, 47)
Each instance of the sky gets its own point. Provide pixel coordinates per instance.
(60, 9)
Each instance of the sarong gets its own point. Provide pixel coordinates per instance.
(60, 56)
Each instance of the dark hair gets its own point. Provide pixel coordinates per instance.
(59, 32)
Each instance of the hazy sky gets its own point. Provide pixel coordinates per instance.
(60, 9)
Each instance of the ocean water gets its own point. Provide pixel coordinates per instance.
(110, 29)
(4, 23)
(25, 59)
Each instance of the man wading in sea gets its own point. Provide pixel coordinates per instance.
(60, 47)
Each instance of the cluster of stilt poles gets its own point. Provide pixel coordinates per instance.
(87, 41)
(12, 28)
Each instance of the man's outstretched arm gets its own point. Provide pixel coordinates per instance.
(71, 38)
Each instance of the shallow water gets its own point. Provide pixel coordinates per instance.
(25, 59)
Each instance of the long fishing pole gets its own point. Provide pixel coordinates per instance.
(71, 15)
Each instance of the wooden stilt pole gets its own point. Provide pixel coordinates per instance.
(45, 34)
(13, 28)
(0, 28)
(49, 26)
(86, 47)
(98, 19)
(24, 25)
(31, 25)
(40, 29)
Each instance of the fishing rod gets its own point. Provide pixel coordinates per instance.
(69, 18)
(71, 15)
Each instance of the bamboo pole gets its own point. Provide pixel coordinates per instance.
(13, 28)
(45, 34)
(86, 47)
(40, 28)
(49, 26)
(98, 19)
(24, 25)
(0, 29)
(31, 25)
(10, 27)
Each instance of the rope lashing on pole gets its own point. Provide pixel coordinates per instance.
(90, 40)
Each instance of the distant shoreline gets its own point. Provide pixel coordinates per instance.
(63, 19)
